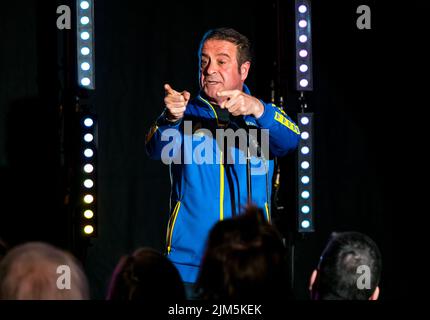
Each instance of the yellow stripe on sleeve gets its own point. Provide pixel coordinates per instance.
(284, 121)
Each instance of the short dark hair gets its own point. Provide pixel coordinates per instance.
(339, 262)
(228, 34)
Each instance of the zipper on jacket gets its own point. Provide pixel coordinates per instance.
(213, 110)
(171, 226)
(221, 168)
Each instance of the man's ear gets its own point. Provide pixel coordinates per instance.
(244, 70)
(375, 294)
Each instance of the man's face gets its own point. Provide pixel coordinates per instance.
(219, 69)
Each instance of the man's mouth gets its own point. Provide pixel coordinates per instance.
(212, 83)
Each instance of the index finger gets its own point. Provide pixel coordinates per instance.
(169, 89)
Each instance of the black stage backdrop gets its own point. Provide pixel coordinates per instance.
(367, 99)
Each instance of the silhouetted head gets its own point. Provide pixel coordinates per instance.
(245, 259)
(146, 275)
(39, 271)
(349, 269)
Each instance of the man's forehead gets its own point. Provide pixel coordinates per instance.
(219, 47)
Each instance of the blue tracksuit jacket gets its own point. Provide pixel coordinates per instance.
(206, 185)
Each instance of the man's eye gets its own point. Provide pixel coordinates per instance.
(222, 62)
(204, 62)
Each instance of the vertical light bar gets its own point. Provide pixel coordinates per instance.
(85, 44)
(305, 174)
(88, 181)
(304, 77)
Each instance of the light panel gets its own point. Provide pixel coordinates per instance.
(85, 44)
(88, 183)
(305, 209)
(304, 77)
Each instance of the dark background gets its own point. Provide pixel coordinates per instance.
(369, 98)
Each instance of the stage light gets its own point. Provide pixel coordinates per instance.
(85, 51)
(302, 8)
(85, 35)
(305, 165)
(85, 82)
(303, 38)
(305, 194)
(303, 68)
(304, 83)
(85, 20)
(305, 179)
(88, 183)
(84, 5)
(85, 66)
(88, 214)
(88, 137)
(85, 44)
(88, 168)
(88, 198)
(88, 122)
(304, 120)
(304, 77)
(88, 153)
(305, 224)
(305, 211)
(303, 53)
(88, 229)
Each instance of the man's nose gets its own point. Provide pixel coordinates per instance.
(211, 68)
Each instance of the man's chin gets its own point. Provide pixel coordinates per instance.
(211, 93)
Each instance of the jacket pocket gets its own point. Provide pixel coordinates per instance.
(171, 226)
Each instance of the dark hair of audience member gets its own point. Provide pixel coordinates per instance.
(337, 275)
(146, 275)
(245, 259)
